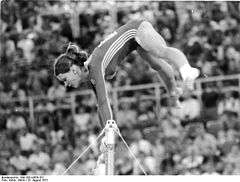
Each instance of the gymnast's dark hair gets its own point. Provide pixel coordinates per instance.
(71, 56)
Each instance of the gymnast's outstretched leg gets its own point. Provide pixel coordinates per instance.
(152, 42)
(166, 73)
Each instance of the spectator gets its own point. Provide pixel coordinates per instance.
(192, 159)
(59, 168)
(35, 170)
(10, 49)
(7, 145)
(92, 139)
(170, 128)
(56, 137)
(33, 84)
(127, 115)
(234, 156)
(60, 155)
(228, 103)
(27, 141)
(151, 164)
(189, 113)
(16, 122)
(56, 90)
(145, 115)
(81, 119)
(209, 168)
(209, 97)
(17, 92)
(19, 161)
(27, 45)
(141, 145)
(205, 143)
(39, 158)
(19, 58)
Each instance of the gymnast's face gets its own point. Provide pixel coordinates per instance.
(72, 78)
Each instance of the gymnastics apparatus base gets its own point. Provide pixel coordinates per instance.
(110, 131)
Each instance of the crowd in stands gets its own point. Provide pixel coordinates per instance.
(201, 139)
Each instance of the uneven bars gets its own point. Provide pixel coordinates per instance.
(110, 142)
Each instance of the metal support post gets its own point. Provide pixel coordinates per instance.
(110, 141)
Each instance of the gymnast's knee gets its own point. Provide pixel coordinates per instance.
(149, 39)
(143, 31)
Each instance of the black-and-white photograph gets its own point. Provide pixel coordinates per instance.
(119, 87)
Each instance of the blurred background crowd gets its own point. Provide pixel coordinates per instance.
(201, 139)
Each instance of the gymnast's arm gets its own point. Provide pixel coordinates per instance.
(103, 105)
